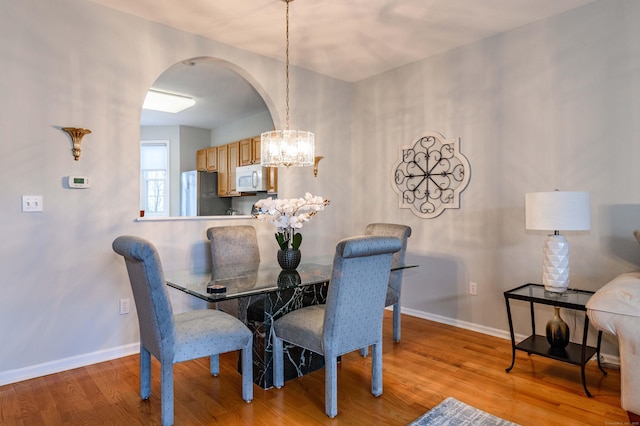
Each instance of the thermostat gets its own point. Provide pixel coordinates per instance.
(79, 182)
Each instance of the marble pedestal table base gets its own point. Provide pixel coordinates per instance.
(258, 313)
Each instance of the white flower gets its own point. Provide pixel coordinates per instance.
(287, 215)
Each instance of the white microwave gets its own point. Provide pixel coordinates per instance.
(251, 178)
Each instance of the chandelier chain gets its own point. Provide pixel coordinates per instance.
(287, 69)
(287, 147)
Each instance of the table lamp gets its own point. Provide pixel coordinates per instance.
(557, 211)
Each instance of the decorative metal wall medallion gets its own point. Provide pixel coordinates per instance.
(430, 175)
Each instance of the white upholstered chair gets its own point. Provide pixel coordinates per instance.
(181, 337)
(350, 320)
(615, 309)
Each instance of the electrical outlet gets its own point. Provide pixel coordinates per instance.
(473, 288)
(31, 203)
(125, 306)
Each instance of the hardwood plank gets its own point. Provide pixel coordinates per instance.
(432, 362)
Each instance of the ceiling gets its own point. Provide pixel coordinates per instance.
(347, 40)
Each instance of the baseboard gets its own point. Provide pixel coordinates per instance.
(457, 323)
(57, 366)
(608, 360)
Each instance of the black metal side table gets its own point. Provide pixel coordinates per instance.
(576, 354)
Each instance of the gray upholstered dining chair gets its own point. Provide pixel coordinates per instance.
(231, 245)
(351, 318)
(180, 337)
(402, 232)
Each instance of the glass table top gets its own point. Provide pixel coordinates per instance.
(536, 293)
(243, 280)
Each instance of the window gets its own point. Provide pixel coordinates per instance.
(154, 181)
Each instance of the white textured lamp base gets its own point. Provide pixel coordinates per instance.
(555, 264)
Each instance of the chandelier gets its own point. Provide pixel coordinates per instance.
(287, 147)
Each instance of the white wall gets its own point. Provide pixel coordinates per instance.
(241, 129)
(74, 63)
(192, 139)
(550, 105)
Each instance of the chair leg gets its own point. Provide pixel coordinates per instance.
(278, 361)
(145, 373)
(214, 365)
(376, 369)
(396, 328)
(396, 322)
(247, 371)
(166, 387)
(331, 386)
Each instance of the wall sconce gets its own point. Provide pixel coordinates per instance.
(76, 137)
(316, 160)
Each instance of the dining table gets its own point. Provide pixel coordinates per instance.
(264, 293)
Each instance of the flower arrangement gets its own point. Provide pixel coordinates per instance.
(288, 215)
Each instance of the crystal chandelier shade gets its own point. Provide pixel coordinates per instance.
(289, 148)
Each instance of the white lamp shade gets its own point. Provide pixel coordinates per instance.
(558, 211)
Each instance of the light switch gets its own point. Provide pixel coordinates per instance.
(32, 203)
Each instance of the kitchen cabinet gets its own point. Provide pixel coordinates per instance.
(223, 174)
(245, 152)
(207, 159)
(212, 159)
(228, 160)
(201, 160)
(250, 151)
(233, 161)
(256, 145)
(272, 180)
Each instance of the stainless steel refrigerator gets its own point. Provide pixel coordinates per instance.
(199, 195)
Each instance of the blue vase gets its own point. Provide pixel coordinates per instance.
(289, 259)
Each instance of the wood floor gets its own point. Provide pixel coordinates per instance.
(433, 361)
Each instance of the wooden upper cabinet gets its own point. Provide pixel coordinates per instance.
(201, 160)
(272, 180)
(223, 175)
(250, 151)
(233, 157)
(245, 152)
(212, 159)
(256, 143)
(207, 159)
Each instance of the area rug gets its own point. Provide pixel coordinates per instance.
(452, 412)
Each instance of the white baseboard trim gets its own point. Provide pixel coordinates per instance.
(607, 360)
(457, 323)
(57, 366)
